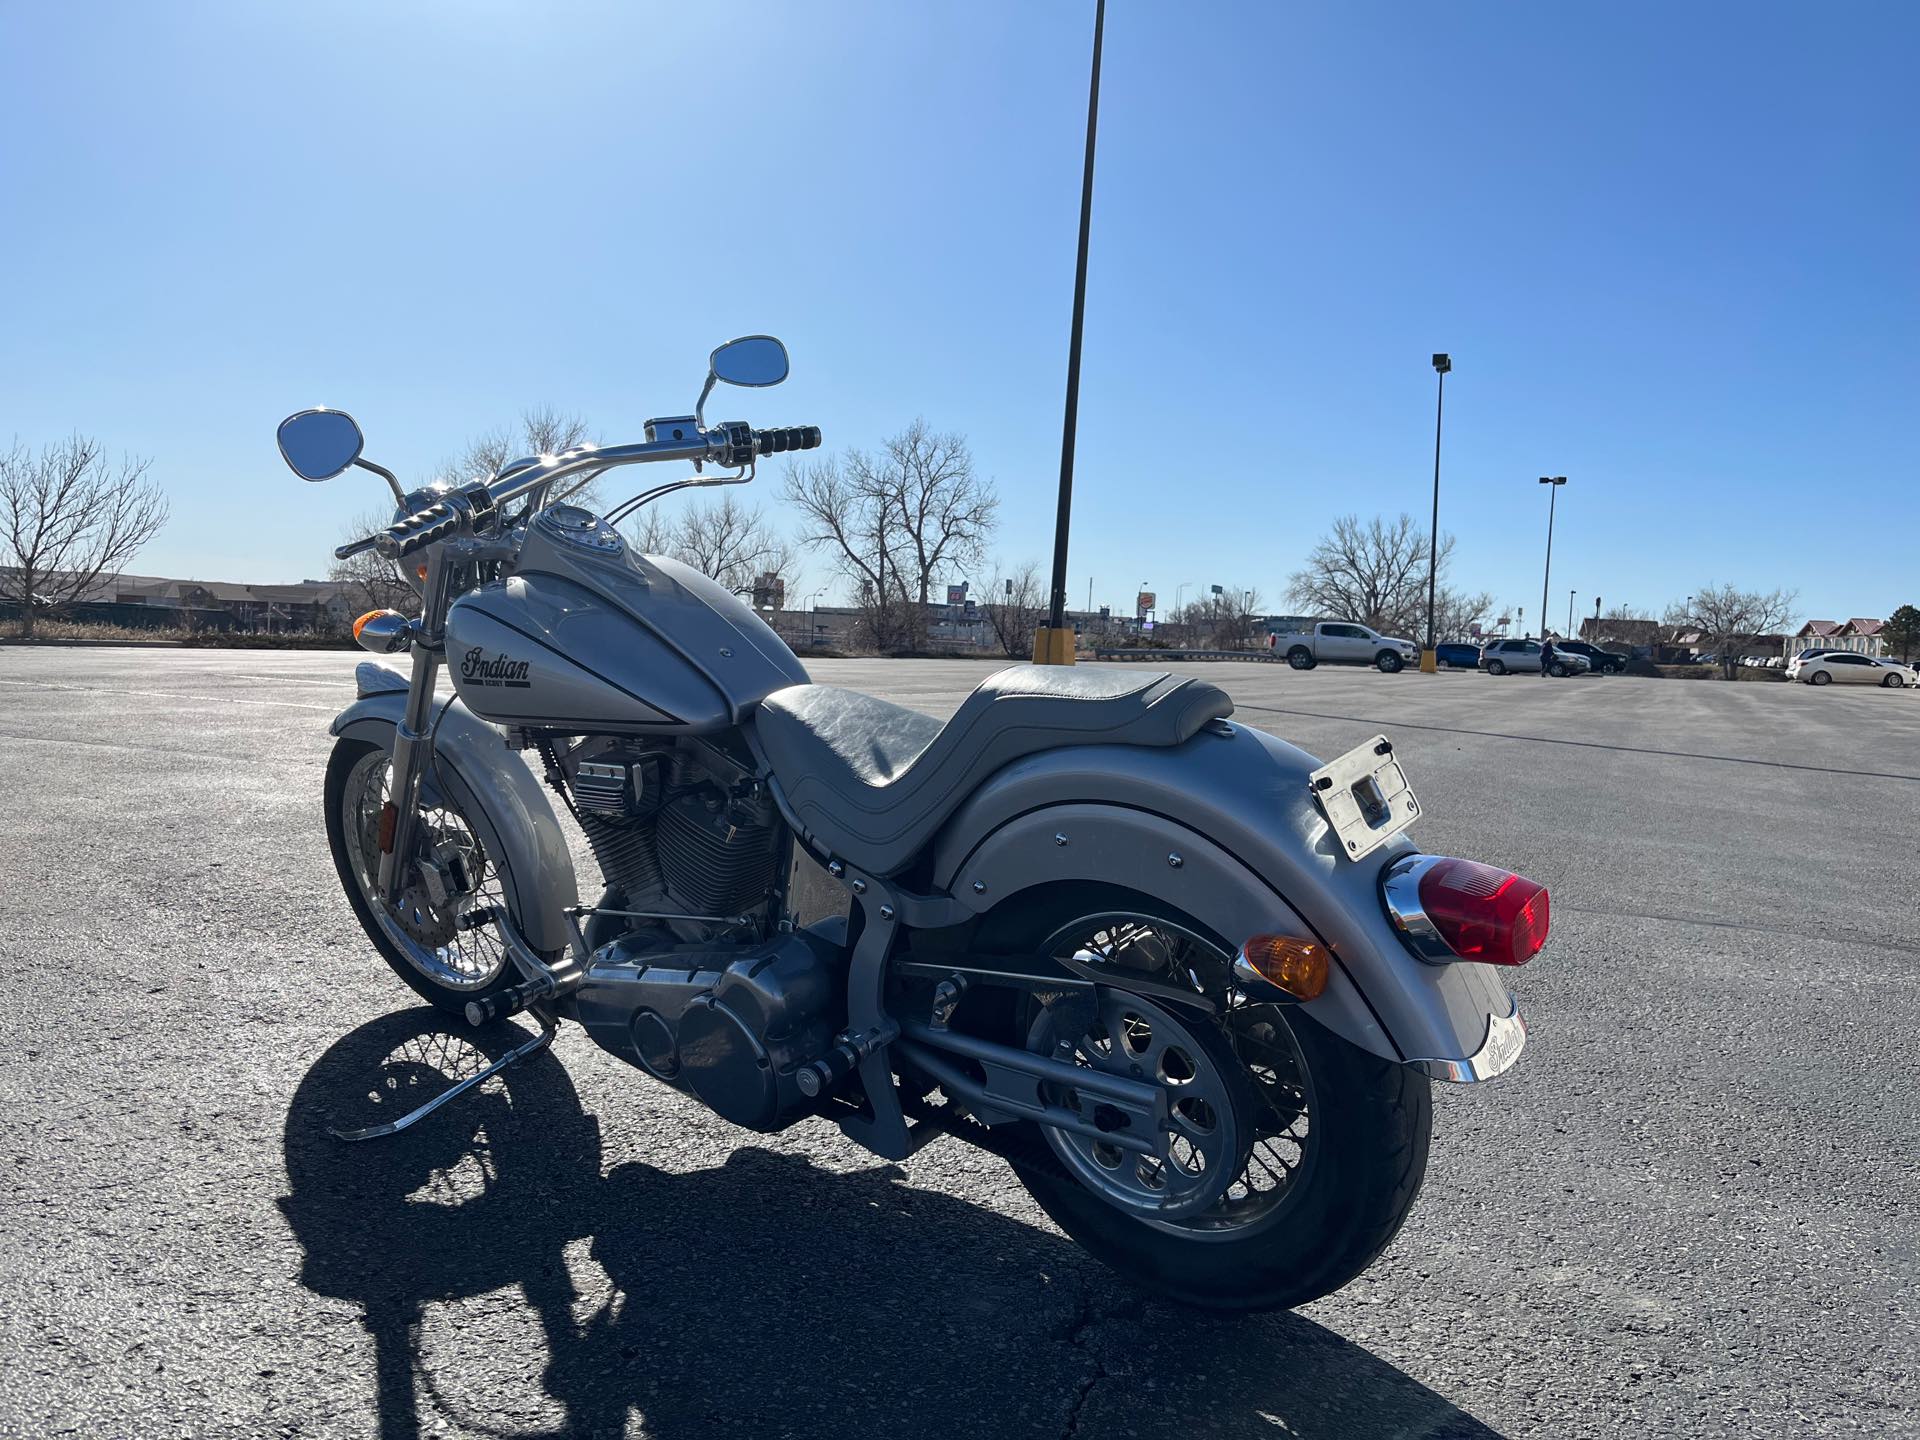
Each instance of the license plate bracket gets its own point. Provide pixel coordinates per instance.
(1365, 796)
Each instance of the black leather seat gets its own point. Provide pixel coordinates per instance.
(873, 781)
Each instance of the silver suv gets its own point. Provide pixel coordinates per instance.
(1522, 657)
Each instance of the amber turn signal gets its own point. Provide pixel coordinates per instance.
(1296, 966)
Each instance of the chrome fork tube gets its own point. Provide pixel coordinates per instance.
(410, 739)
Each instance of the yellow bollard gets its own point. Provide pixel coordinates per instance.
(1429, 662)
(1053, 647)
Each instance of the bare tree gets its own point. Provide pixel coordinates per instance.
(543, 430)
(1374, 573)
(896, 523)
(649, 530)
(1016, 603)
(68, 517)
(1455, 614)
(733, 543)
(1223, 619)
(370, 581)
(1733, 619)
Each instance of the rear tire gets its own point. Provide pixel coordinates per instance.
(1495, 667)
(1293, 1236)
(1301, 658)
(1388, 662)
(1820, 677)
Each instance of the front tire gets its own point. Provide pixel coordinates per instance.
(1388, 662)
(421, 941)
(1340, 1138)
(1892, 682)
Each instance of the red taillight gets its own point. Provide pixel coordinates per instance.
(1485, 914)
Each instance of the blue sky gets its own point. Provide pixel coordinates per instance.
(1674, 251)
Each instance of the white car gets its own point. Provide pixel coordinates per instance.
(1342, 642)
(1839, 668)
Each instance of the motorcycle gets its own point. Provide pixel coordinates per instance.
(1191, 984)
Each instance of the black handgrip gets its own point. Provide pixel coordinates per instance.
(436, 522)
(794, 437)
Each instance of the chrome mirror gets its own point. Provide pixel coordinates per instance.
(318, 444)
(752, 360)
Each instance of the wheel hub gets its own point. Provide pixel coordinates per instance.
(1203, 1141)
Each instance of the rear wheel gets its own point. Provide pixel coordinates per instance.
(452, 874)
(1300, 658)
(1820, 677)
(1496, 667)
(1293, 1156)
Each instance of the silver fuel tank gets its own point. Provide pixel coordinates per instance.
(587, 635)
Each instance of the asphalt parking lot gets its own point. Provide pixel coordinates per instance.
(1691, 1210)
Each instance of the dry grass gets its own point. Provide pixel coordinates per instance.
(87, 631)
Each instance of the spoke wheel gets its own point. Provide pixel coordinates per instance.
(448, 876)
(1240, 1094)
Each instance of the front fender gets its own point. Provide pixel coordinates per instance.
(496, 791)
(1224, 828)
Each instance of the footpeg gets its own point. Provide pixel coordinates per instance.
(841, 1061)
(510, 1001)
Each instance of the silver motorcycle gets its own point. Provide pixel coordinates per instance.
(1190, 983)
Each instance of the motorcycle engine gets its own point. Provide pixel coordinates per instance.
(669, 833)
(732, 1024)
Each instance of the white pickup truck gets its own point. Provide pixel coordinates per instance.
(1341, 642)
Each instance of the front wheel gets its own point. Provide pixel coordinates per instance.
(1892, 682)
(1293, 1156)
(450, 876)
(1558, 671)
(1387, 661)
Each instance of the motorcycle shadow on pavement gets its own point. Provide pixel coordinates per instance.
(764, 1296)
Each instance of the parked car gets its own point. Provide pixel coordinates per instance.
(1519, 657)
(1341, 642)
(1605, 662)
(1457, 654)
(1840, 668)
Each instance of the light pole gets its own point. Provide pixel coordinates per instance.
(1053, 644)
(1569, 614)
(1441, 365)
(1553, 496)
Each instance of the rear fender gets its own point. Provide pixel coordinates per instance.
(1223, 828)
(494, 789)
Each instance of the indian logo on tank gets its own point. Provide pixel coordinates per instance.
(478, 668)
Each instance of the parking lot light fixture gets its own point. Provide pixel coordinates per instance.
(1553, 484)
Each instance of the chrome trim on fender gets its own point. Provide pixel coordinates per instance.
(1400, 894)
(1506, 1038)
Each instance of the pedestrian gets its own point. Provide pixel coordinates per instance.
(1546, 654)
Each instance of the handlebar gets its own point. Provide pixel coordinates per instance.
(728, 445)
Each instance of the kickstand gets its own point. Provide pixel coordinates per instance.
(420, 1112)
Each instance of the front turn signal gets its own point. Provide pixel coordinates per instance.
(384, 632)
(1296, 966)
